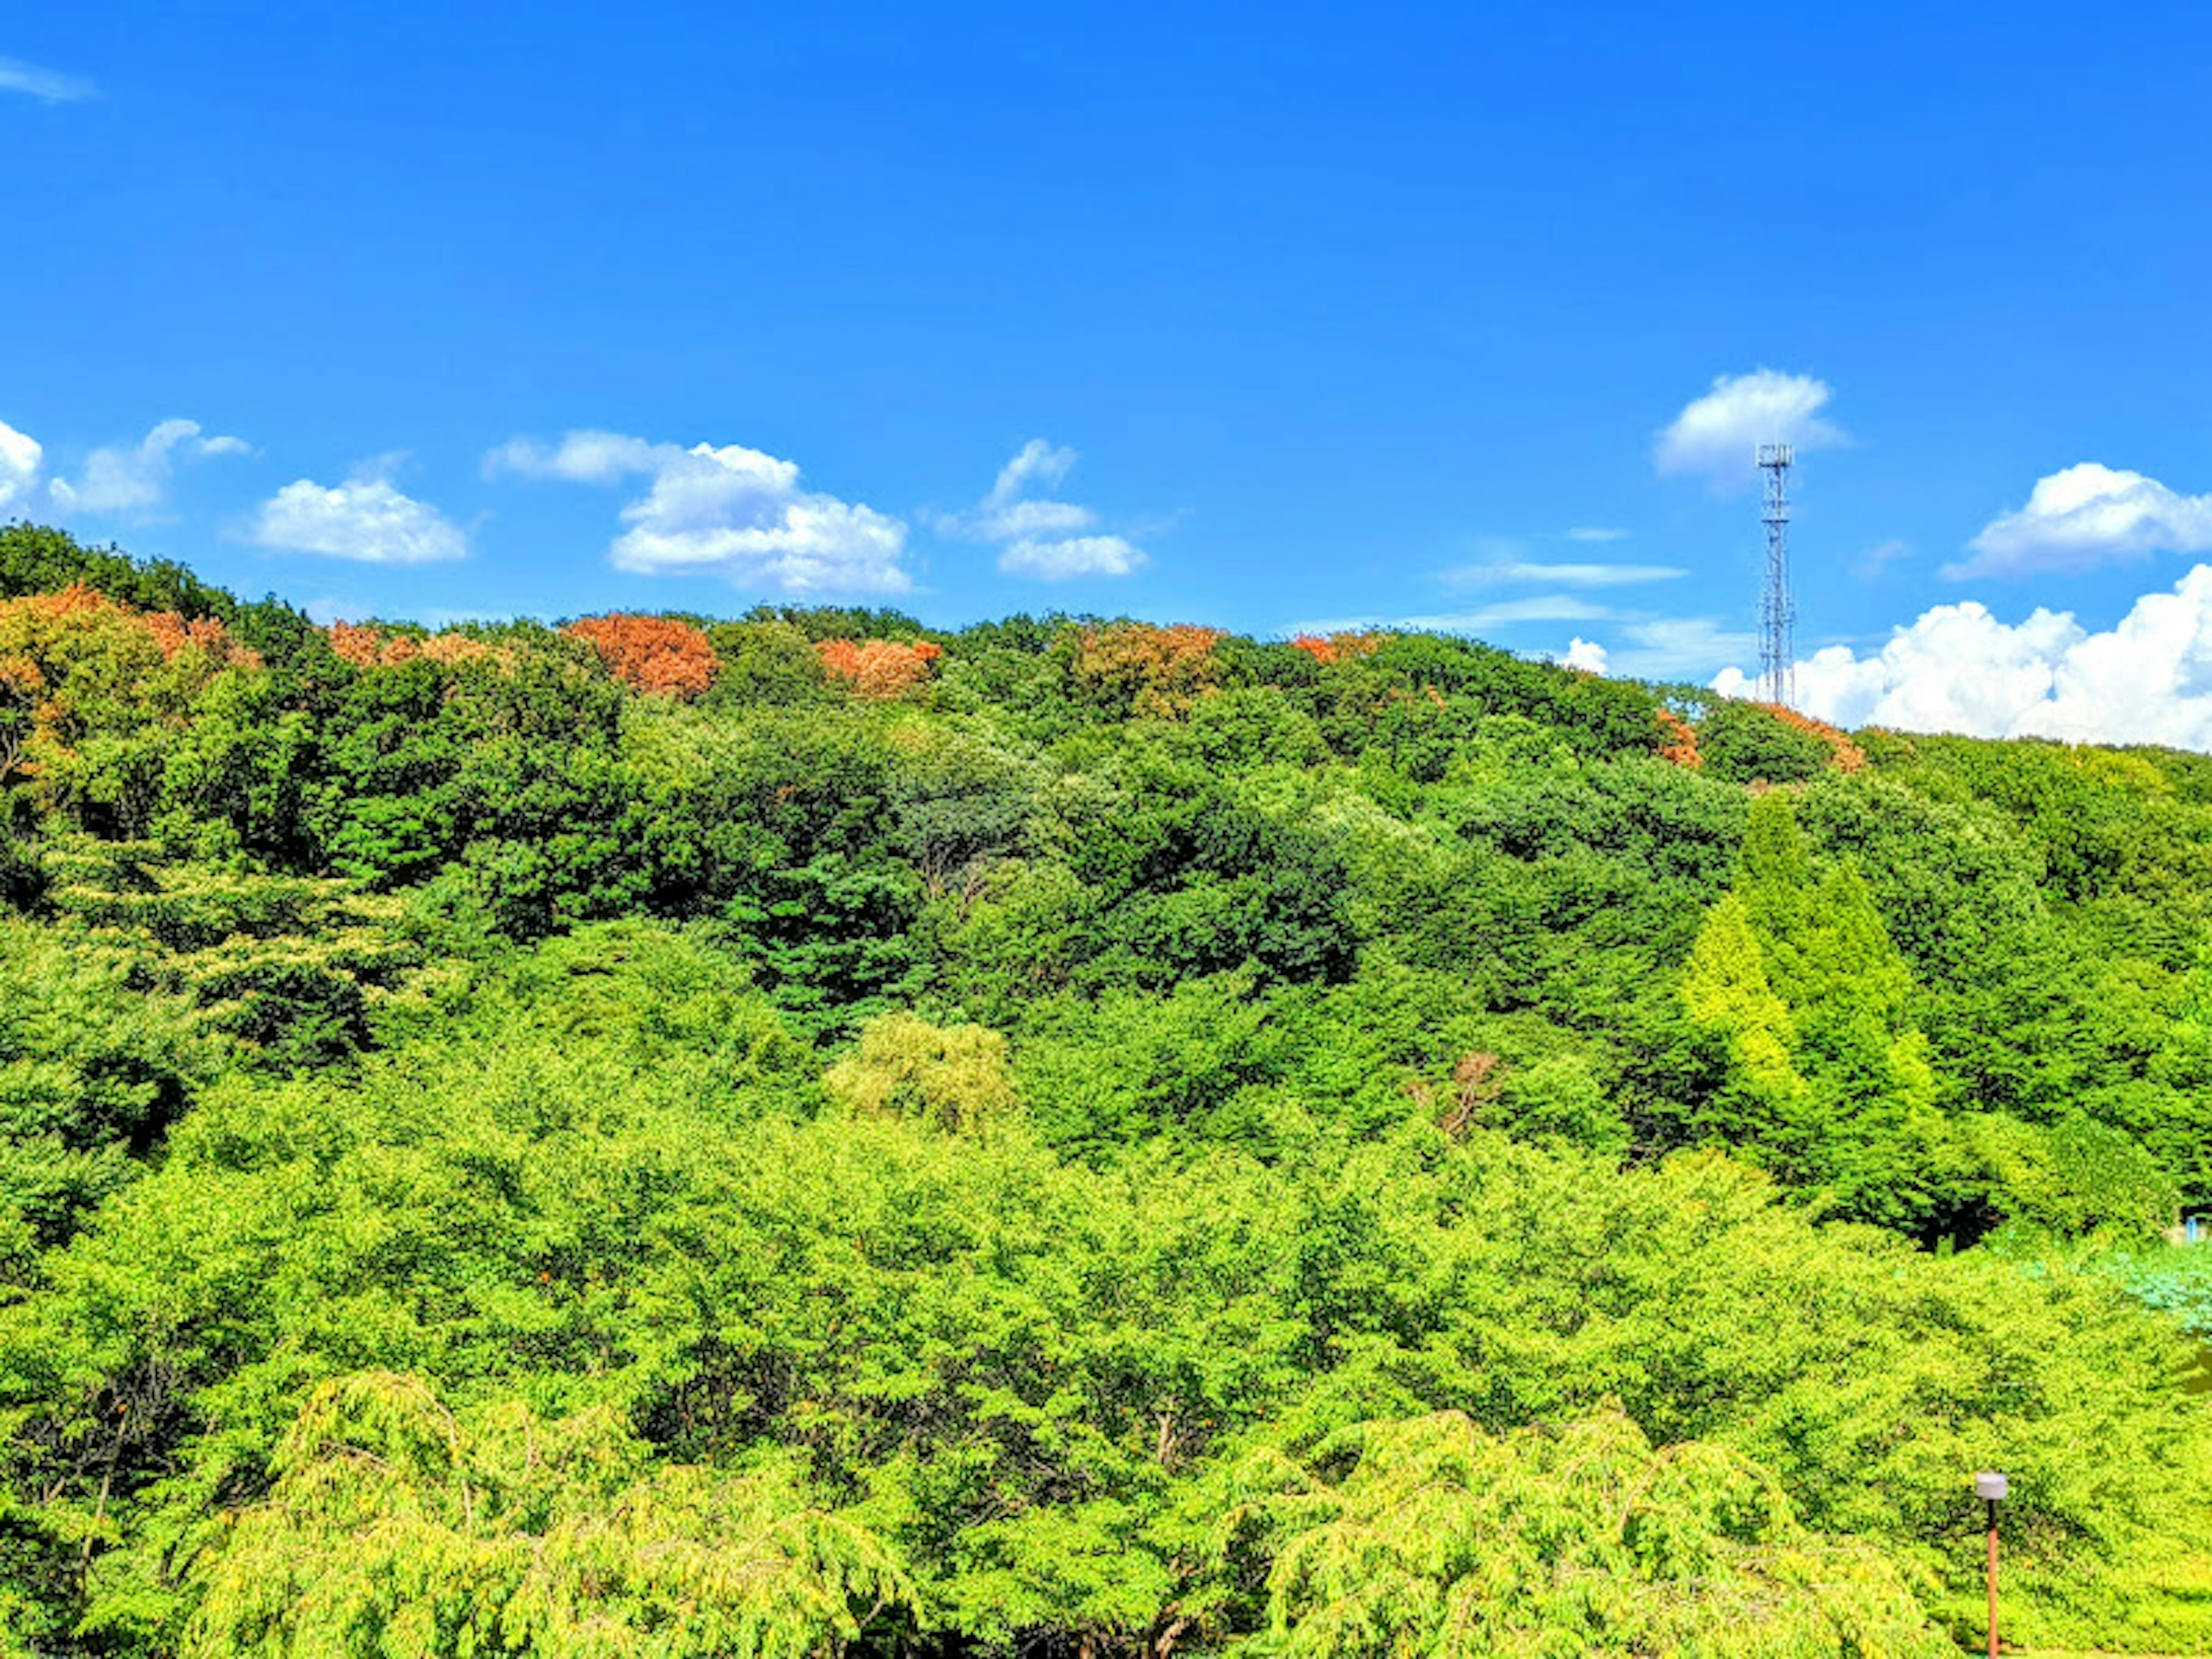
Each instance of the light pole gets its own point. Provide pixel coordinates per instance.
(1991, 1489)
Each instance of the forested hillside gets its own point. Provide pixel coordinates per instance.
(804, 1135)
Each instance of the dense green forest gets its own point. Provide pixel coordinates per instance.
(806, 1135)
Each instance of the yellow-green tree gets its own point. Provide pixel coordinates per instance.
(1794, 976)
(397, 1525)
(953, 1077)
(1427, 1538)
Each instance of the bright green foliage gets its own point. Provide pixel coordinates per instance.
(1441, 1540)
(1726, 987)
(395, 1527)
(93, 1069)
(1157, 1143)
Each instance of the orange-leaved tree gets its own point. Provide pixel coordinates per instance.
(1338, 647)
(879, 668)
(1148, 669)
(1844, 755)
(657, 655)
(76, 665)
(366, 645)
(1679, 740)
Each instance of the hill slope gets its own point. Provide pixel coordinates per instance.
(777, 1134)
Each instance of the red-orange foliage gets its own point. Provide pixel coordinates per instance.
(377, 648)
(362, 646)
(1162, 671)
(879, 668)
(1844, 755)
(1680, 741)
(657, 655)
(1336, 647)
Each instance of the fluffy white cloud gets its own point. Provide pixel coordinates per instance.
(2085, 516)
(47, 86)
(1049, 539)
(1957, 668)
(730, 512)
(1716, 434)
(136, 479)
(1585, 654)
(738, 514)
(20, 459)
(365, 518)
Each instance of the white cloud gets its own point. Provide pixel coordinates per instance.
(737, 514)
(1036, 460)
(1541, 607)
(1716, 434)
(1026, 520)
(365, 518)
(47, 86)
(1593, 533)
(20, 459)
(2085, 516)
(1565, 576)
(1039, 537)
(136, 479)
(582, 457)
(1585, 654)
(1957, 668)
(1072, 556)
(730, 512)
(1676, 647)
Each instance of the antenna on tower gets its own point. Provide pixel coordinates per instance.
(1777, 657)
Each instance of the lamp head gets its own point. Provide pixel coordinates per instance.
(1989, 1486)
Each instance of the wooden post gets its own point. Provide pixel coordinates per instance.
(1993, 1578)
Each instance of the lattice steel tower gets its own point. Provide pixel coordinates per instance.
(1777, 657)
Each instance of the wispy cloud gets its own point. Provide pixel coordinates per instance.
(2084, 517)
(47, 86)
(1534, 572)
(731, 512)
(1661, 648)
(1595, 533)
(1714, 435)
(1538, 608)
(366, 519)
(1676, 647)
(1036, 535)
(134, 480)
(1879, 558)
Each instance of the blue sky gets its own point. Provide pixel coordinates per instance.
(1268, 319)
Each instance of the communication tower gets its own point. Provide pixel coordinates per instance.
(1777, 657)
